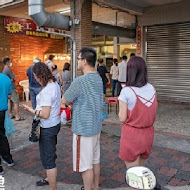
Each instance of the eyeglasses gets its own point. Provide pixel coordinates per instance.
(79, 58)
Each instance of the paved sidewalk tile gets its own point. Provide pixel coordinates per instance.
(170, 167)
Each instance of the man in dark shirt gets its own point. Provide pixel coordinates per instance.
(34, 87)
(104, 74)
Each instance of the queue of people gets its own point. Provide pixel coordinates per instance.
(118, 74)
(137, 112)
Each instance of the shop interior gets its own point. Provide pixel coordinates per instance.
(105, 49)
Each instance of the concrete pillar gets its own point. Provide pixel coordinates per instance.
(82, 10)
(115, 47)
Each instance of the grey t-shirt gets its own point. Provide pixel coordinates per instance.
(10, 74)
(66, 76)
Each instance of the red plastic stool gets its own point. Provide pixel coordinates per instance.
(113, 100)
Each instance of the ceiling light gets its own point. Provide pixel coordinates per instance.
(65, 11)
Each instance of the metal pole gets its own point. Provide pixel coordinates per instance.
(74, 65)
(74, 60)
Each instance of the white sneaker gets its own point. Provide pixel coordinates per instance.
(8, 161)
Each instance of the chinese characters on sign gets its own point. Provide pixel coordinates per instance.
(2, 183)
(28, 28)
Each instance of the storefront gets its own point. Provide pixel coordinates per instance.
(168, 57)
(27, 43)
(105, 48)
(163, 40)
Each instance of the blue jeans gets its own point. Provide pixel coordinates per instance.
(47, 146)
(33, 93)
(115, 84)
(104, 88)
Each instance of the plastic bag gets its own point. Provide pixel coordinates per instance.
(9, 127)
(65, 114)
(104, 113)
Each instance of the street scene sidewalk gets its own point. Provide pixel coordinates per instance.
(170, 158)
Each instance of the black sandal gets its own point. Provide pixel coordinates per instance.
(42, 182)
(82, 188)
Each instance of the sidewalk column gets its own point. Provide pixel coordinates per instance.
(82, 10)
(115, 47)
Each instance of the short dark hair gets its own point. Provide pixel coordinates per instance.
(90, 55)
(115, 61)
(136, 72)
(132, 54)
(55, 67)
(43, 72)
(66, 66)
(124, 57)
(5, 60)
(100, 60)
(51, 57)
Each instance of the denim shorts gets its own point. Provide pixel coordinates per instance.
(47, 145)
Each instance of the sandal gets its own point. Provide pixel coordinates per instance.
(20, 119)
(12, 117)
(42, 182)
(82, 188)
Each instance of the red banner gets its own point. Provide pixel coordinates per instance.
(139, 40)
(27, 27)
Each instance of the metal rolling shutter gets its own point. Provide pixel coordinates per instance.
(168, 60)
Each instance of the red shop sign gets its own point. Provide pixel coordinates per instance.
(139, 40)
(27, 27)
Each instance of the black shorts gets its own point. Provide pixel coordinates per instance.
(47, 145)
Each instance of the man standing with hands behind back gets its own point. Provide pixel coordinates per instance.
(86, 93)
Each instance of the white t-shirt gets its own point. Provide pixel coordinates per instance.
(49, 64)
(128, 96)
(114, 72)
(122, 71)
(50, 96)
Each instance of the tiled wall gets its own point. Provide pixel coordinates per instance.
(23, 49)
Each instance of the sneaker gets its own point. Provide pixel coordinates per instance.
(8, 161)
(1, 170)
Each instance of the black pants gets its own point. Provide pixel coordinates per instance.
(119, 87)
(4, 144)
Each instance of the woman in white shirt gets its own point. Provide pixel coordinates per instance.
(115, 73)
(47, 109)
